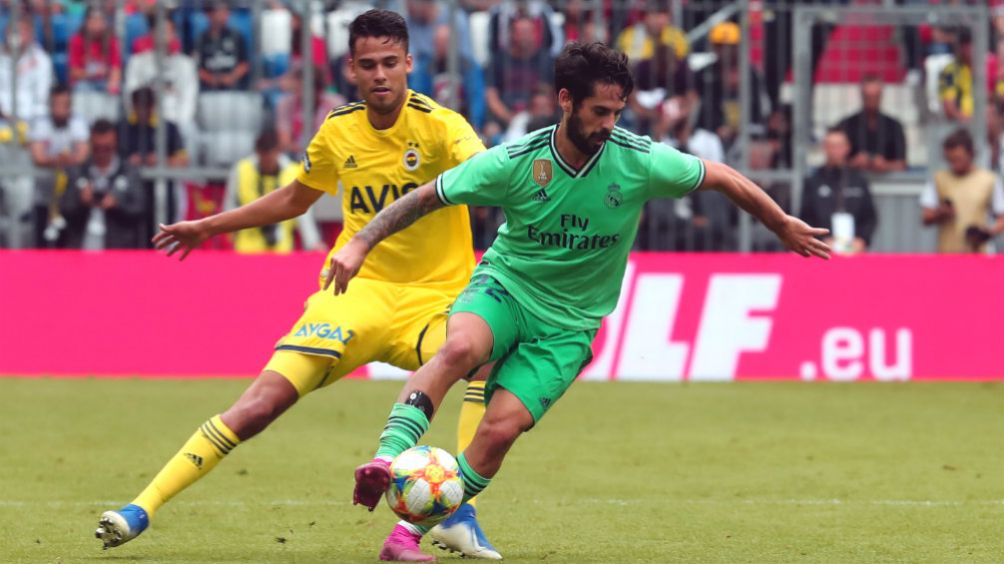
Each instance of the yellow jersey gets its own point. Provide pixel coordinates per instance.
(376, 167)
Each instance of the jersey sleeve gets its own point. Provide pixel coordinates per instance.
(462, 142)
(480, 181)
(673, 174)
(318, 167)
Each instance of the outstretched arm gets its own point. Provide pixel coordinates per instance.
(346, 263)
(793, 232)
(280, 205)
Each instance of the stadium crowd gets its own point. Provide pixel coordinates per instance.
(84, 107)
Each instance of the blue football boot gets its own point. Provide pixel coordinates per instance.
(461, 533)
(119, 527)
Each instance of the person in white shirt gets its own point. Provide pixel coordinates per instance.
(33, 78)
(58, 142)
(181, 80)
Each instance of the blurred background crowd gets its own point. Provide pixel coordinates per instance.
(879, 119)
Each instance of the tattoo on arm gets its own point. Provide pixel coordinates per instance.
(400, 214)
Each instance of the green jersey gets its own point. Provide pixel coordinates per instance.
(564, 246)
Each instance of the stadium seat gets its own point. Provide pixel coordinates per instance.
(224, 148)
(230, 111)
(275, 65)
(135, 27)
(276, 33)
(61, 66)
(479, 22)
(228, 123)
(96, 105)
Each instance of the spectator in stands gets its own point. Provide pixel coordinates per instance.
(138, 147)
(658, 79)
(179, 76)
(995, 135)
(425, 18)
(105, 201)
(251, 178)
(877, 140)
(959, 200)
(139, 133)
(33, 68)
(547, 34)
(58, 143)
(148, 42)
(289, 109)
(542, 112)
(656, 28)
(955, 83)
(95, 58)
(431, 77)
(221, 52)
(709, 212)
(513, 75)
(838, 197)
(719, 84)
(580, 25)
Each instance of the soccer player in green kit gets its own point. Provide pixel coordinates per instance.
(572, 195)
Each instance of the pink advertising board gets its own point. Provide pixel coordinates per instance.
(698, 317)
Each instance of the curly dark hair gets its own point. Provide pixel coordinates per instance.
(580, 66)
(378, 23)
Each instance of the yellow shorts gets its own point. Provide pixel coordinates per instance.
(373, 321)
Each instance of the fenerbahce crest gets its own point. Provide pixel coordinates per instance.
(542, 172)
(411, 159)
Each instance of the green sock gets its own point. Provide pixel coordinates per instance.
(474, 483)
(405, 425)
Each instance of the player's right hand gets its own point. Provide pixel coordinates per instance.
(345, 264)
(184, 235)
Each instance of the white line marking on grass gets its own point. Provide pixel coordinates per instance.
(597, 501)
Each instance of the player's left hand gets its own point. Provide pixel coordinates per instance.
(801, 238)
(345, 264)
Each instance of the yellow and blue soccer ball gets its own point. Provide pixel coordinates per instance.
(425, 485)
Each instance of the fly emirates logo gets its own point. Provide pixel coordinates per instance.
(573, 235)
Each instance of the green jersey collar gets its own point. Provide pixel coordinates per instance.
(569, 169)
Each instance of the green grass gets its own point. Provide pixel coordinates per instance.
(763, 472)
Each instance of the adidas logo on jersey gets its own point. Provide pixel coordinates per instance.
(196, 459)
(350, 162)
(541, 196)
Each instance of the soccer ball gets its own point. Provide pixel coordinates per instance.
(425, 485)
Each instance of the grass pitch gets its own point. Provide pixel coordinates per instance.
(760, 472)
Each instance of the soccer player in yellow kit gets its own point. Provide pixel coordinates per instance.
(379, 149)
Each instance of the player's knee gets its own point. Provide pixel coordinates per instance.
(498, 435)
(462, 354)
(252, 415)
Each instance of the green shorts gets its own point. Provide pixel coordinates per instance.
(534, 361)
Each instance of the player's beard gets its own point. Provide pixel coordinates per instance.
(586, 144)
(390, 106)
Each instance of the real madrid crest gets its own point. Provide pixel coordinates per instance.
(542, 172)
(412, 160)
(614, 196)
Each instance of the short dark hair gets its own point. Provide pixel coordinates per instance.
(59, 89)
(580, 66)
(959, 138)
(378, 23)
(103, 126)
(268, 140)
(837, 130)
(143, 96)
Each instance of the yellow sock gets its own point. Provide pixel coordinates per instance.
(471, 412)
(197, 457)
